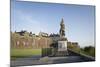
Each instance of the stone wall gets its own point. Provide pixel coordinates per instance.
(18, 41)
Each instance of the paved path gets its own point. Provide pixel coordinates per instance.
(45, 60)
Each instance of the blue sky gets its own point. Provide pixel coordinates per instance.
(46, 17)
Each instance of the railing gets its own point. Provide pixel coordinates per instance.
(50, 52)
(46, 51)
(83, 56)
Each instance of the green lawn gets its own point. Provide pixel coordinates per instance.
(24, 52)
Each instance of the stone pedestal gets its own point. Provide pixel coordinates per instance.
(62, 45)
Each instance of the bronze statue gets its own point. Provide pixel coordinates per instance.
(62, 28)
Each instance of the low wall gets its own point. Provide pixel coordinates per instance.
(83, 56)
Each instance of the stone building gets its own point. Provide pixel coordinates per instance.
(24, 39)
(18, 41)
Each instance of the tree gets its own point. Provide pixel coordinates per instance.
(90, 50)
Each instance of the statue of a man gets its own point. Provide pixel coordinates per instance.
(62, 29)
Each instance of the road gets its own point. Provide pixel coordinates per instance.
(37, 60)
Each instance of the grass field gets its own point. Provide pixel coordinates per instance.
(24, 52)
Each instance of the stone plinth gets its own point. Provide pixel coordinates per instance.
(62, 45)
